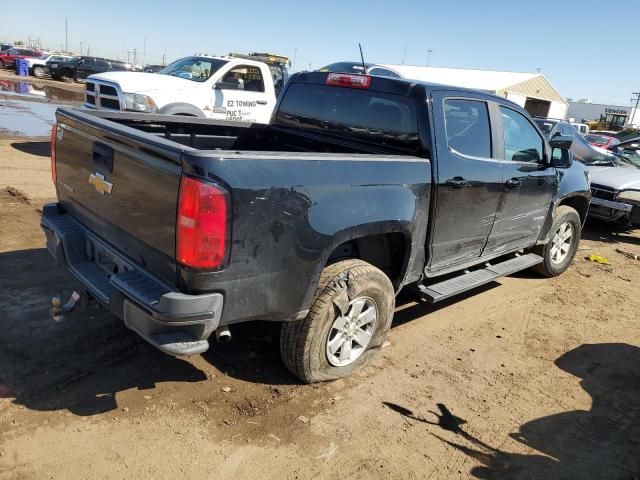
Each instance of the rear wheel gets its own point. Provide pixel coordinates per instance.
(38, 71)
(1, 64)
(347, 323)
(559, 252)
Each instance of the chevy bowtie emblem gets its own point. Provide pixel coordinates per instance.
(101, 185)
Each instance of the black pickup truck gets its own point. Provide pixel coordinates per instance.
(358, 187)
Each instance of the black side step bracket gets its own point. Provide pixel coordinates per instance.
(467, 281)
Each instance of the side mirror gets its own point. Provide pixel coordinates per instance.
(231, 83)
(561, 155)
(561, 158)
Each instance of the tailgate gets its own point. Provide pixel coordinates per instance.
(122, 184)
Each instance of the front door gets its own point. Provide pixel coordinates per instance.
(529, 187)
(469, 179)
(249, 102)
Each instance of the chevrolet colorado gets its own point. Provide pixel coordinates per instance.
(358, 187)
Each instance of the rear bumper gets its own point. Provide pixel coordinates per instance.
(174, 322)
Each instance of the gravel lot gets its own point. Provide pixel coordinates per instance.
(526, 378)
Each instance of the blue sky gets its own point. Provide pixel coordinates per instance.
(572, 42)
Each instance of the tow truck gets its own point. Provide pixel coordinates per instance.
(233, 87)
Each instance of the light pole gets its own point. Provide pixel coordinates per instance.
(295, 53)
(429, 52)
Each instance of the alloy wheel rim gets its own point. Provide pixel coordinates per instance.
(351, 334)
(561, 243)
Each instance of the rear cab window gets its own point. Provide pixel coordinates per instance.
(381, 118)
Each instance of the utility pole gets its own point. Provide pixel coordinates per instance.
(123, 51)
(88, 50)
(404, 53)
(429, 52)
(295, 53)
(129, 56)
(80, 48)
(632, 119)
(66, 34)
(135, 52)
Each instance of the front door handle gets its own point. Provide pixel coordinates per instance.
(514, 182)
(261, 102)
(456, 182)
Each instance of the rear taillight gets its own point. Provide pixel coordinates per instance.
(201, 226)
(348, 80)
(54, 173)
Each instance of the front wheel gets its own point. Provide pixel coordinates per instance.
(38, 72)
(559, 252)
(347, 323)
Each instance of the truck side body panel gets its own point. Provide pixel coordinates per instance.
(289, 214)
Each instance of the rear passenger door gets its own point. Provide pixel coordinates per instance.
(530, 183)
(85, 67)
(469, 179)
(101, 66)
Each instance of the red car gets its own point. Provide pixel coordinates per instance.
(602, 141)
(8, 57)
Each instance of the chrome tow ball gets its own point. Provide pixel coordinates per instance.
(58, 309)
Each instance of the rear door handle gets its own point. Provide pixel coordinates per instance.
(456, 182)
(261, 102)
(513, 183)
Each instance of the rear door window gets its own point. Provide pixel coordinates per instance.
(375, 117)
(467, 126)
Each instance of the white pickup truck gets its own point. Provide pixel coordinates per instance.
(236, 88)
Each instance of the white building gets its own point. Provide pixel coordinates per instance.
(531, 91)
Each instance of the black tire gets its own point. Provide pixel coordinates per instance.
(38, 71)
(303, 343)
(1, 64)
(549, 267)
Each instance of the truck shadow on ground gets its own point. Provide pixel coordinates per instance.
(602, 442)
(42, 149)
(78, 364)
(82, 362)
(605, 232)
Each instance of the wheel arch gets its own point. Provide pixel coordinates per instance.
(180, 108)
(387, 246)
(580, 203)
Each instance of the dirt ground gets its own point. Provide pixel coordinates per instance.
(527, 378)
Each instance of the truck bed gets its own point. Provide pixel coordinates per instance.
(202, 134)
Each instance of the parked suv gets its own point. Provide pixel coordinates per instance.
(81, 67)
(38, 66)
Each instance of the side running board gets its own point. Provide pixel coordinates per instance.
(467, 281)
